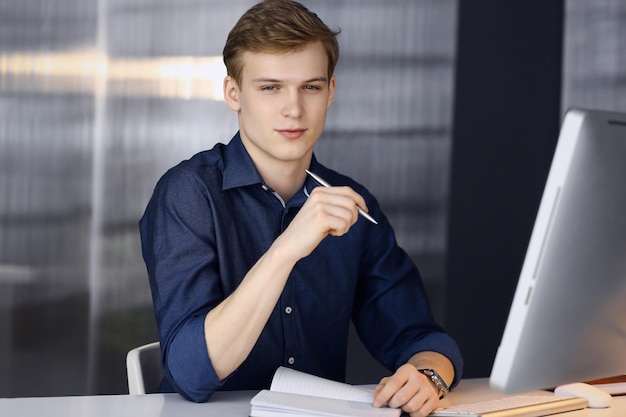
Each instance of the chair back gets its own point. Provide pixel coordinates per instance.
(143, 368)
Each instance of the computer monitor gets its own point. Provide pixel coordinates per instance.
(567, 321)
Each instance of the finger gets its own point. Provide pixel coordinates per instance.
(420, 403)
(424, 401)
(386, 389)
(380, 385)
(336, 220)
(327, 211)
(347, 192)
(412, 395)
(392, 384)
(357, 198)
(336, 212)
(407, 393)
(406, 389)
(423, 411)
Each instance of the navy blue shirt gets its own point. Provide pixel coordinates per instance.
(212, 217)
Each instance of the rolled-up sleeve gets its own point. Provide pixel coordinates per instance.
(187, 362)
(178, 246)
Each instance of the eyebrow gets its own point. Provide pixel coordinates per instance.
(276, 80)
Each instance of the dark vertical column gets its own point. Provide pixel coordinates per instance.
(506, 124)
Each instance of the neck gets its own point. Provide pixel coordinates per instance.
(285, 179)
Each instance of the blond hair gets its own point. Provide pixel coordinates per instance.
(276, 27)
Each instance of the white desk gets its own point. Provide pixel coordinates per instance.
(222, 404)
(472, 390)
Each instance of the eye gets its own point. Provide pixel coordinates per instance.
(269, 88)
(312, 87)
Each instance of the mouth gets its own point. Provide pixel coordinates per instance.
(291, 133)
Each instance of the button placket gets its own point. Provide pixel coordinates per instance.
(289, 322)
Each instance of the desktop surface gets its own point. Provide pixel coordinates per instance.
(224, 404)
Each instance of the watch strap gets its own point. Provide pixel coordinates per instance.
(437, 381)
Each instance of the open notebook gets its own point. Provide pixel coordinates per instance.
(297, 394)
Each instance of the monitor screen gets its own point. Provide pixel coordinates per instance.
(567, 321)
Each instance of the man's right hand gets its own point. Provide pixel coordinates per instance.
(328, 211)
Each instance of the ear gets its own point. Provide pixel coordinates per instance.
(231, 94)
(331, 92)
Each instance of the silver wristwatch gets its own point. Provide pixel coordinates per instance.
(437, 381)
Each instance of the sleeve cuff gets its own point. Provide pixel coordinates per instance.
(187, 364)
(440, 343)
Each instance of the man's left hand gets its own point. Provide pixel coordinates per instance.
(409, 390)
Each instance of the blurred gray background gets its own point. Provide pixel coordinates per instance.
(99, 97)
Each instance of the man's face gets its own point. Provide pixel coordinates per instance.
(282, 103)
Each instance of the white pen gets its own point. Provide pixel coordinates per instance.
(323, 183)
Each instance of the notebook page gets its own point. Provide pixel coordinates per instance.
(292, 381)
(273, 403)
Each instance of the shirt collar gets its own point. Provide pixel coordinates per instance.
(239, 170)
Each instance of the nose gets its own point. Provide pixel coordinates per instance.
(292, 106)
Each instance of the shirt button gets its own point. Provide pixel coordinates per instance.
(291, 360)
(288, 310)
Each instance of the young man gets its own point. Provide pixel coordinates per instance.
(253, 266)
